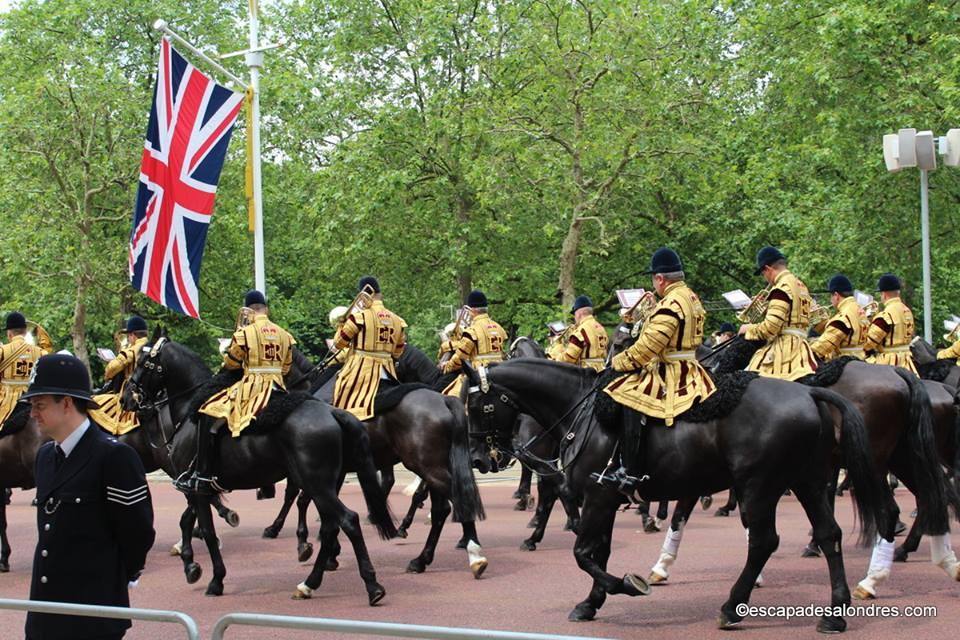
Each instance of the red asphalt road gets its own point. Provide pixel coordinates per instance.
(521, 591)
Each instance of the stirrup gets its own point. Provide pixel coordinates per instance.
(191, 482)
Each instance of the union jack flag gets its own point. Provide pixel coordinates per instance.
(190, 125)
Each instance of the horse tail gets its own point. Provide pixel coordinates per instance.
(931, 492)
(465, 495)
(869, 500)
(357, 453)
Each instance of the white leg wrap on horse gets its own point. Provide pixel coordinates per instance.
(411, 488)
(668, 552)
(942, 555)
(177, 548)
(304, 590)
(880, 563)
(478, 563)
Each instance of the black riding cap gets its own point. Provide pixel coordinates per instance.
(580, 303)
(664, 260)
(727, 327)
(476, 299)
(839, 284)
(766, 257)
(60, 374)
(16, 320)
(368, 281)
(888, 282)
(253, 297)
(136, 323)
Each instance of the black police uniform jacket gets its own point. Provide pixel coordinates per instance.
(95, 520)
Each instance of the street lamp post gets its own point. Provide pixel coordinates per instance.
(910, 148)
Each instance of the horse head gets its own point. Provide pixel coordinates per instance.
(922, 351)
(525, 347)
(146, 381)
(491, 416)
(623, 336)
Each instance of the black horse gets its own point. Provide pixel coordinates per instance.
(779, 435)
(311, 444)
(427, 432)
(18, 449)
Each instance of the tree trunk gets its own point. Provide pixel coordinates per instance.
(463, 204)
(79, 330)
(568, 261)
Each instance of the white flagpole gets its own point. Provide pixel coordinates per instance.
(254, 59)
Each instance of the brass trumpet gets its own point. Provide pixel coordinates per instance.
(37, 335)
(820, 313)
(244, 317)
(754, 312)
(641, 309)
(953, 336)
(461, 322)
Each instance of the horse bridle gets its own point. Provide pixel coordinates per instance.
(160, 405)
(489, 432)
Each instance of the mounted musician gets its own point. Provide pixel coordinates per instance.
(726, 332)
(17, 359)
(889, 335)
(587, 343)
(447, 346)
(953, 351)
(111, 415)
(374, 338)
(337, 316)
(481, 342)
(264, 352)
(843, 333)
(665, 378)
(784, 323)
(557, 339)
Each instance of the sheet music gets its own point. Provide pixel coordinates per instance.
(950, 325)
(330, 344)
(737, 298)
(106, 354)
(629, 297)
(557, 326)
(863, 299)
(223, 343)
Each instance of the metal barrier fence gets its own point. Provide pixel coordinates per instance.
(97, 611)
(375, 628)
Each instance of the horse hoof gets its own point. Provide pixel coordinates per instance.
(862, 594)
(650, 526)
(214, 589)
(304, 552)
(233, 518)
(193, 572)
(656, 578)
(900, 529)
(332, 564)
(527, 545)
(582, 613)
(416, 566)
(706, 502)
(377, 594)
(461, 544)
(900, 554)
(303, 592)
(722, 512)
(810, 551)
(402, 532)
(271, 533)
(634, 585)
(4, 567)
(570, 526)
(728, 620)
(832, 624)
(478, 567)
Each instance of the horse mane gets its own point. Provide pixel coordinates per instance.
(735, 355)
(415, 366)
(198, 369)
(538, 350)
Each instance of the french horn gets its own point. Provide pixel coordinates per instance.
(754, 312)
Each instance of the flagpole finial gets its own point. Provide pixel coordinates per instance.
(160, 24)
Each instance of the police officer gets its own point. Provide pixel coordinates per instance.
(94, 512)
(665, 378)
(375, 338)
(110, 415)
(889, 335)
(587, 343)
(843, 334)
(17, 359)
(481, 343)
(264, 351)
(787, 354)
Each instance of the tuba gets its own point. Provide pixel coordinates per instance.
(754, 312)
